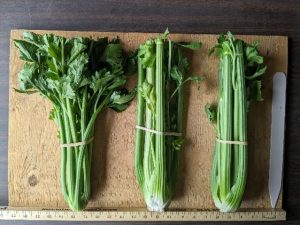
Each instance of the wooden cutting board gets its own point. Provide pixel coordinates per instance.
(34, 153)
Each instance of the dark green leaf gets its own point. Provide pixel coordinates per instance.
(212, 50)
(68, 91)
(26, 76)
(54, 52)
(101, 79)
(25, 92)
(177, 75)
(118, 82)
(211, 113)
(27, 50)
(32, 37)
(77, 69)
(118, 107)
(113, 54)
(77, 48)
(119, 98)
(183, 65)
(177, 143)
(254, 92)
(130, 63)
(146, 54)
(221, 39)
(260, 71)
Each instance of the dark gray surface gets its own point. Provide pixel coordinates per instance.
(242, 17)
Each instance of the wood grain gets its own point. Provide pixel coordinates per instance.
(34, 156)
(276, 17)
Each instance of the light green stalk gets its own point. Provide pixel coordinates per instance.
(139, 142)
(160, 108)
(229, 170)
(69, 74)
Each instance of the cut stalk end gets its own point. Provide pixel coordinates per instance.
(156, 204)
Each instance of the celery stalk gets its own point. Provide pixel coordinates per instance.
(240, 71)
(160, 107)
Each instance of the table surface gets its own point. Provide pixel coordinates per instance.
(212, 17)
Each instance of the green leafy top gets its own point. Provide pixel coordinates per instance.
(178, 64)
(175, 68)
(60, 68)
(253, 63)
(146, 54)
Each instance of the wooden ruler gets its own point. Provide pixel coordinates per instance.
(10, 213)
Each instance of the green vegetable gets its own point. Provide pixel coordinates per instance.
(240, 72)
(81, 77)
(161, 71)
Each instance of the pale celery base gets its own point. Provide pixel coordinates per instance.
(155, 204)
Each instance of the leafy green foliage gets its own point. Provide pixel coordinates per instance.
(147, 92)
(177, 143)
(119, 99)
(62, 67)
(81, 77)
(254, 92)
(27, 50)
(211, 113)
(146, 54)
(254, 64)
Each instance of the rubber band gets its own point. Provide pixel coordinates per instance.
(165, 133)
(77, 143)
(232, 142)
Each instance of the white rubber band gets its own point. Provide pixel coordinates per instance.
(158, 132)
(232, 142)
(77, 143)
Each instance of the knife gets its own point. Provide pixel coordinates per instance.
(277, 136)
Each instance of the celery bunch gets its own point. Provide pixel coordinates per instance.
(161, 75)
(240, 71)
(81, 77)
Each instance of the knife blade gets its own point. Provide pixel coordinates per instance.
(277, 136)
